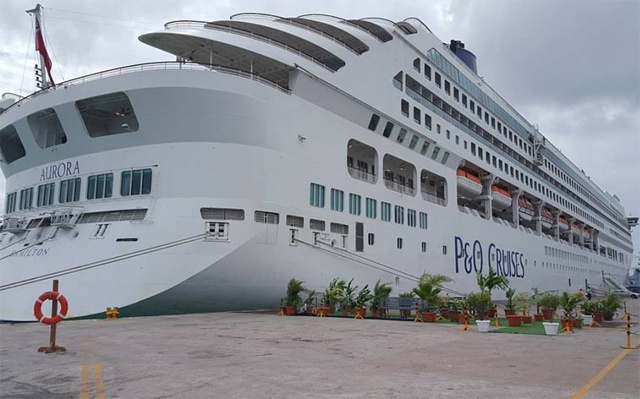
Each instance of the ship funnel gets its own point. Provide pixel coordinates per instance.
(457, 47)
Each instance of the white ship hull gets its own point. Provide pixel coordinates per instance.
(219, 140)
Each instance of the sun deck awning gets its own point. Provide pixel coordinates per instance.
(336, 33)
(212, 52)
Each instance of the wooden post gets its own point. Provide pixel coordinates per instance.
(52, 335)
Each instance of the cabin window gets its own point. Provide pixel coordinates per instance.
(316, 224)
(46, 128)
(416, 64)
(295, 221)
(385, 211)
(10, 144)
(438, 79)
(401, 135)
(337, 200)
(417, 115)
(427, 121)
(464, 100)
(373, 122)
(414, 142)
(100, 186)
(456, 94)
(370, 238)
(221, 214)
(427, 72)
(316, 195)
(372, 205)
(404, 108)
(447, 87)
(424, 246)
(69, 190)
(388, 128)
(266, 217)
(399, 214)
(108, 114)
(354, 204)
(135, 182)
(399, 243)
(423, 221)
(411, 217)
(10, 204)
(425, 147)
(339, 228)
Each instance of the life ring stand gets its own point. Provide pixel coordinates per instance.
(52, 295)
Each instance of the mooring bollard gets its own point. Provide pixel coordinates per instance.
(55, 318)
(113, 313)
(627, 316)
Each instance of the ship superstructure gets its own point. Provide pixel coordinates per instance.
(311, 147)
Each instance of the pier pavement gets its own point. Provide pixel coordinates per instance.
(262, 355)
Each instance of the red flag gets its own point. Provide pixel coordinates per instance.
(43, 50)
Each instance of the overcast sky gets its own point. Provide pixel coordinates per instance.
(572, 67)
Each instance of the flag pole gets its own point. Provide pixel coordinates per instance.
(45, 61)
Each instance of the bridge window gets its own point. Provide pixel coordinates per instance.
(337, 200)
(46, 128)
(371, 208)
(10, 144)
(26, 198)
(385, 211)
(108, 114)
(354, 204)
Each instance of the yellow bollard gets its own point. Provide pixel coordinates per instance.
(112, 313)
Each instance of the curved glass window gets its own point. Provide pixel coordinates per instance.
(46, 128)
(108, 114)
(10, 144)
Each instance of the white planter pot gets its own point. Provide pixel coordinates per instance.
(483, 325)
(587, 320)
(551, 328)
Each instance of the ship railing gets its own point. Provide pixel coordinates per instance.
(150, 66)
(240, 32)
(399, 187)
(14, 224)
(433, 198)
(362, 175)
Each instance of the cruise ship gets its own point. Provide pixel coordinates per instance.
(271, 148)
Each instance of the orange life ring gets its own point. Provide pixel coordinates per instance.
(53, 295)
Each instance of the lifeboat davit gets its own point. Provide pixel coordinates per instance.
(526, 210)
(501, 198)
(469, 185)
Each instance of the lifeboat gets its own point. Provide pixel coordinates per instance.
(587, 233)
(576, 229)
(525, 209)
(469, 185)
(547, 218)
(562, 222)
(501, 198)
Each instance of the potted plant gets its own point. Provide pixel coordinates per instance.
(587, 309)
(522, 300)
(597, 311)
(536, 297)
(490, 282)
(549, 303)
(510, 307)
(568, 303)
(348, 299)
(292, 298)
(611, 304)
(428, 289)
(580, 297)
(334, 294)
(381, 292)
(308, 305)
(404, 313)
(515, 320)
(361, 301)
(479, 303)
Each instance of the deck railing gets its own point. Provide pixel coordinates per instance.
(149, 66)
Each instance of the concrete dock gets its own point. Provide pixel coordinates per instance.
(262, 355)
